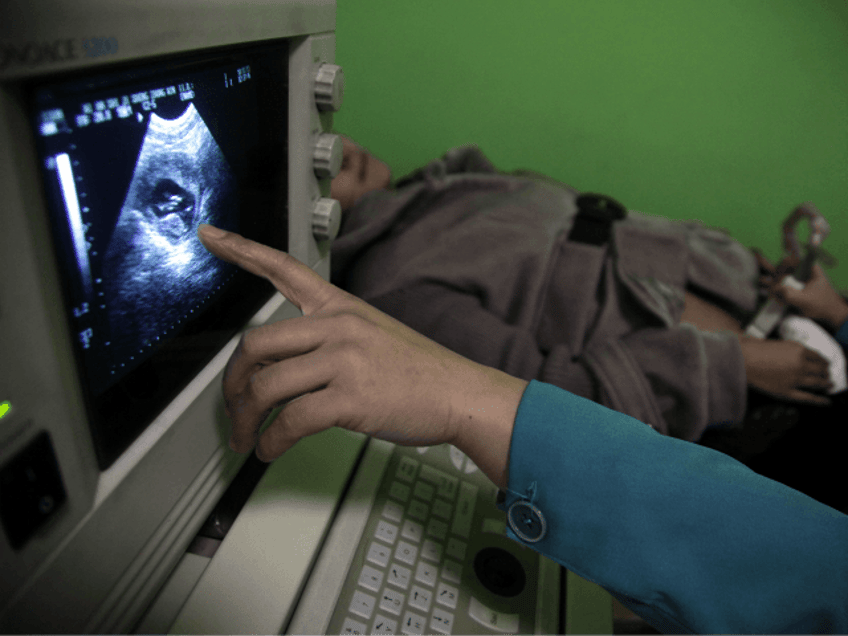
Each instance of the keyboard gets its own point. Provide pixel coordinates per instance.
(434, 557)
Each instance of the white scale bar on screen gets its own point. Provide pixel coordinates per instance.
(72, 208)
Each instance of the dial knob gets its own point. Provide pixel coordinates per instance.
(326, 219)
(329, 87)
(327, 155)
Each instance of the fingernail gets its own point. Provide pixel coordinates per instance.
(210, 231)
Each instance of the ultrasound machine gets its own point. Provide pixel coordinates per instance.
(123, 126)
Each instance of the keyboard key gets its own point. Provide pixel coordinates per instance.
(456, 549)
(354, 627)
(431, 551)
(446, 595)
(452, 571)
(426, 573)
(384, 625)
(370, 578)
(393, 511)
(464, 510)
(442, 509)
(423, 491)
(412, 531)
(407, 468)
(418, 510)
(413, 623)
(489, 618)
(386, 531)
(437, 529)
(447, 488)
(399, 576)
(362, 604)
(378, 554)
(392, 601)
(406, 552)
(445, 484)
(441, 621)
(419, 598)
(399, 491)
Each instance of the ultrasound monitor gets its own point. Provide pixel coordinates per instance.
(133, 162)
(123, 126)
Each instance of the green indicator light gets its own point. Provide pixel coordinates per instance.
(4, 408)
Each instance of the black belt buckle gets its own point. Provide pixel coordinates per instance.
(595, 215)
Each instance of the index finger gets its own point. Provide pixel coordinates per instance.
(293, 279)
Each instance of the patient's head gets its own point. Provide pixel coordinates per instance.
(361, 173)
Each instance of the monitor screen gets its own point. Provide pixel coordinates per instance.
(132, 162)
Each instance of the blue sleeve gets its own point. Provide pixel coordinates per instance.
(687, 537)
(842, 336)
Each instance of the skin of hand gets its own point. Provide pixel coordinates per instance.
(818, 300)
(767, 360)
(783, 369)
(779, 368)
(344, 363)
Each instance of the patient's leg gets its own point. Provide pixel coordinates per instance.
(708, 317)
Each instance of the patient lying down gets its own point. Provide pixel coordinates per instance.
(477, 260)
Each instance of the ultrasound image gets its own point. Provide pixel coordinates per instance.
(156, 272)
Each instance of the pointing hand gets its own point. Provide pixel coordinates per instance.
(347, 364)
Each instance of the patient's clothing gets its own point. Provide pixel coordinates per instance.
(479, 261)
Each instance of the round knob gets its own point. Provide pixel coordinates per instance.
(326, 219)
(329, 87)
(327, 155)
(500, 572)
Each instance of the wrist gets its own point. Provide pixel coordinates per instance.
(749, 347)
(839, 316)
(484, 417)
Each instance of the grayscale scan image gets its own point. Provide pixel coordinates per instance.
(156, 272)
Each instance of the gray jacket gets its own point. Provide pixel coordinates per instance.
(478, 261)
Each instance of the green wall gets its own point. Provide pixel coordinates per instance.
(730, 112)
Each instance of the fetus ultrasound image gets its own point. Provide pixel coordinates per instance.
(156, 271)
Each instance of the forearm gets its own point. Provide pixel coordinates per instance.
(484, 411)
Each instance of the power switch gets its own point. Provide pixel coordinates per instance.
(31, 490)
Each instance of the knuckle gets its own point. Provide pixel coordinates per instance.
(249, 343)
(349, 314)
(353, 327)
(352, 358)
(259, 393)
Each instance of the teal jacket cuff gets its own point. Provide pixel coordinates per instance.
(687, 537)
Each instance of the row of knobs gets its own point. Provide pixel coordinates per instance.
(327, 154)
